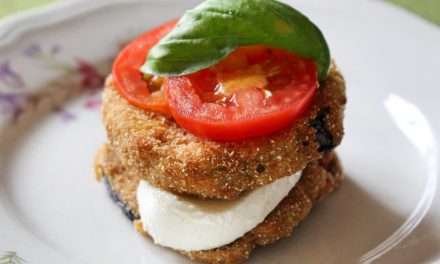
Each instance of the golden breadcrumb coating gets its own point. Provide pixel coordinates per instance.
(169, 157)
(318, 179)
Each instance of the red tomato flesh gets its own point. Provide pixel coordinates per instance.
(254, 92)
(130, 81)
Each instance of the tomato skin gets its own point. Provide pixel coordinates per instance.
(127, 77)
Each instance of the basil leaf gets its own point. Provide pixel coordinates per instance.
(215, 28)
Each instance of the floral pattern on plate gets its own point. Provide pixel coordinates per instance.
(89, 77)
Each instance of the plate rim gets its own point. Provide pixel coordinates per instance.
(12, 28)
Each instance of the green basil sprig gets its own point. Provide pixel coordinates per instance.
(215, 28)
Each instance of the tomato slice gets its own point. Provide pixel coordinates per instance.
(254, 92)
(127, 78)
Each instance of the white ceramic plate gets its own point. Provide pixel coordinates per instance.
(53, 211)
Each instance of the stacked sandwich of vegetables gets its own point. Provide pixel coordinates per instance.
(221, 128)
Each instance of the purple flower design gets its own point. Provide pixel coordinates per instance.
(65, 115)
(9, 77)
(55, 49)
(33, 50)
(13, 104)
(93, 103)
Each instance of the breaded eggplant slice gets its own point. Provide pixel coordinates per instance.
(318, 179)
(171, 158)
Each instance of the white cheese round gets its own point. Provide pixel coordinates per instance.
(189, 224)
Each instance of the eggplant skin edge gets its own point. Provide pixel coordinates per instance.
(323, 135)
(115, 197)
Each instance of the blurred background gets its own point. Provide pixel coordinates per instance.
(427, 9)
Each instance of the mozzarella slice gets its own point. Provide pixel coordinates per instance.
(189, 224)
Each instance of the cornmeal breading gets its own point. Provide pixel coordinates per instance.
(158, 150)
(318, 179)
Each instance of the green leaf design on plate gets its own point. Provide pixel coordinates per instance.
(11, 257)
(212, 30)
